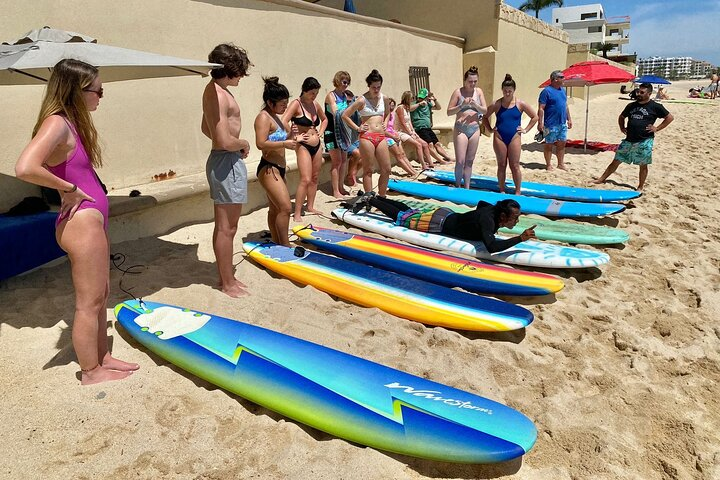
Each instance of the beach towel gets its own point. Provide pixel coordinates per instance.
(345, 135)
(599, 146)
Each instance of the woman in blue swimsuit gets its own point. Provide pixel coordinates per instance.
(271, 138)
(308, 116)
(508, 112)
(468, 104)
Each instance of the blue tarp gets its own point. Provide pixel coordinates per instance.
(26, 242)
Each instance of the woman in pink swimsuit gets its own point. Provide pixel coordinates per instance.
(62, 154)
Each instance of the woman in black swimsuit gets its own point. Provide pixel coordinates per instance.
(309, 118)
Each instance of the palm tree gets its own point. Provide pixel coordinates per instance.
(604, 48)
(538, 5)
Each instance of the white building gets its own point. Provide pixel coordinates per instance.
(587, 25)
(675, 67)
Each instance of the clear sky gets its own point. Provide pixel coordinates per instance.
(667, 28)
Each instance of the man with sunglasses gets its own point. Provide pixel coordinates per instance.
(554, 119)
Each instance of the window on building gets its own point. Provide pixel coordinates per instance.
(614, 31)
(594, 29)
(419, 78)
(586, 16)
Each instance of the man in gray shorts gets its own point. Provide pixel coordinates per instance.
(226, 171)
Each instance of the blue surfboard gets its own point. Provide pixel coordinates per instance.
(338, 393)
(538, 206)
(540, 190)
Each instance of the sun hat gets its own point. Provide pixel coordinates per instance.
(422, 93)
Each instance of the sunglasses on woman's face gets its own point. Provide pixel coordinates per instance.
(99, 93)
(345, 82)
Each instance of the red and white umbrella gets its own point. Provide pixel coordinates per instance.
(587, 74)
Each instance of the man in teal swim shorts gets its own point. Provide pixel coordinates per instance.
(636, 148)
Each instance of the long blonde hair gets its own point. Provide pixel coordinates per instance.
(63, 96)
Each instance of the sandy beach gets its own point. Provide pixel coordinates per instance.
(619, 371)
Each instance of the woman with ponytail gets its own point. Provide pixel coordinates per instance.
(63, 155)
(271, 138)
(507, 144)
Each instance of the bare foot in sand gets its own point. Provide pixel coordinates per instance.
(101, 374)
(297, 218)
(549, 168)
(597, 181)
(235, 291)
(350, 181)
(562, 166)
(312, 211)
(341, 194)
(111, 363)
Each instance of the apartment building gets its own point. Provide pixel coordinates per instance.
(588, 25)
(675, 67)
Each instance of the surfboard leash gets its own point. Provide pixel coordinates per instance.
(118, 259)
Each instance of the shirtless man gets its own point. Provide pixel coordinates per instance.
(225, 169)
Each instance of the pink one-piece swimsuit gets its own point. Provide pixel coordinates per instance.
(78, 170)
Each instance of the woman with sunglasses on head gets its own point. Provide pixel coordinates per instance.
(336, 101)
(373, 107)
(309, 118)
(63, 155)
(468, 105)
(507, 144)
(271, 138)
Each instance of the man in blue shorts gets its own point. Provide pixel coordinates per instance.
(637, 147)
(554, 119)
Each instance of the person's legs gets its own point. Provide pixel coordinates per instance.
(608, 171)
(108, 361)
(313, 185)
(472, 146)
(354, 160)
(560, 152)
(390, 208)
(85, 241)
(338, 162)
(441, 151)
(460, 142)
(305, 167)
(402, 160)
(367, 152)
(382, 154)
(513, 157)
(418, 151)
(501, 154)
(643, 176)
(280, 207)
(547, 153)
(427, 154)
(227, 216)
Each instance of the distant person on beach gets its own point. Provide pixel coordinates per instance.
(468, 105)
(662, 94)
(63, 154)
(373, 107)
(225, 168)
(713, 86)
(272, 138)
(336, 101)
(480, 224)
(554, 119)
(507, 143)
(408, 133)
(636, 148)
(421, 117)
(308, 116)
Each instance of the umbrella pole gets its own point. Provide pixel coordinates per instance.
(587, 113)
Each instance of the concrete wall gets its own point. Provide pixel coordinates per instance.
(153, 126)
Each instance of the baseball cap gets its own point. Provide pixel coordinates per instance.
(557, 74)
(422, 93)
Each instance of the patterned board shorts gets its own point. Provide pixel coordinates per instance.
(557, 133)
(635, 153)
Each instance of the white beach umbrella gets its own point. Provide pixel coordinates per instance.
(29, 60)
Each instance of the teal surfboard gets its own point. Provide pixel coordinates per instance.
(540, 190)
(546, 229)
(538, 206)
(343, 395)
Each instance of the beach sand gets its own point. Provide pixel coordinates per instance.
(619, 371)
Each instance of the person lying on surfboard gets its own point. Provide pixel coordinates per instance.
(480, 224)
